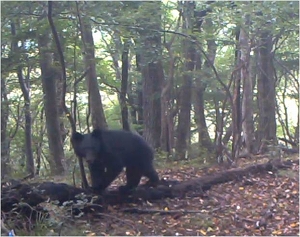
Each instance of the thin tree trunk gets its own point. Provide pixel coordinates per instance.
(227, 135)
(139, 99)
(62, 84)
(167, 124)
(39, 143)
(236, 108)
(296, 136)
(247, 102)
(60, 99)
(124, 85)
(62, 90)
(132, 101)
(49, 75)
(60, 93)
(28, 124)
(24, 84)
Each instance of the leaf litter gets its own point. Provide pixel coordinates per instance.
(262, 205)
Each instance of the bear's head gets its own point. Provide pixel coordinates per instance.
(88, 145)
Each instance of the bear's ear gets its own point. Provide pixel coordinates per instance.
(77, 137)
(97, 133)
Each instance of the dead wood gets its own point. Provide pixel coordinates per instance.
(292, 143)
(34, 193)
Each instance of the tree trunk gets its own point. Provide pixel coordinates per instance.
(49, 75)
(61, 87)
(95, 102)
(61, 114)
(124, 85)
(296, 136)
(167, 124)
(247, 102)
(184, 101)
(266, 92)
(24, 84)
(203, 135)
(199, 89)
(60, 94)
(152, 74)
(139, 98)
(5, 140)
(40, 128)
(28, 124)
(236, 108)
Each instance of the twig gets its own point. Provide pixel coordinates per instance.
(161, 212)
(82, 76)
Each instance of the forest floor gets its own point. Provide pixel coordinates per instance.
(229, 209)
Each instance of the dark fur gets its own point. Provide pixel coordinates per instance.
(109, 151)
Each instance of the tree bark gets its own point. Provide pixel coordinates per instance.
(266, 92)
(247, 102)
(61, 86)
(49, 75)
(204, 137)
(167, 123)
(60, 95)
(124, 85)
(199, 89)
(41, 129)
(139, 97)
(95, 101)
(184, 101)
(152, 74)
(28, 123)
(236, 108)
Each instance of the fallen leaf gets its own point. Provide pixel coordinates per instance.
(293, 225)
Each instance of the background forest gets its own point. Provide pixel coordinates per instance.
(212, 86)
(208, 81)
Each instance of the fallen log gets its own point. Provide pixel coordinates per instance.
(35, 193)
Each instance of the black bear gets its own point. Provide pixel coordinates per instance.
(107, 152)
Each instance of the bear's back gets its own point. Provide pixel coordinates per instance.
(125, 142)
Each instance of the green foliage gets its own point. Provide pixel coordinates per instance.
(112, 113)
(115, 22)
